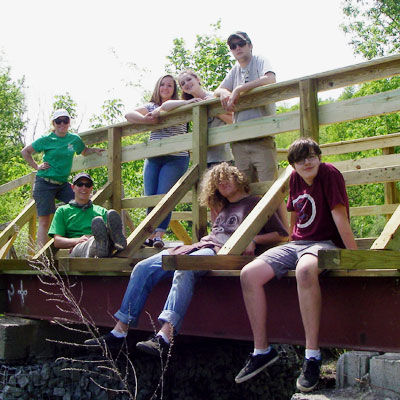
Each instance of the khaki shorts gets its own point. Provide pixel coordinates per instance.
(256, 159)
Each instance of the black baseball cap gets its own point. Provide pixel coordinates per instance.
(239, 35)
(82, 175)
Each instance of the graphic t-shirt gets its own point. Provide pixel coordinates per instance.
(74, 222)
(226, 223)
(313, 204)
(59, 153)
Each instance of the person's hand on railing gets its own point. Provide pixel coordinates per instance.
(194, 100)
(91, 150)
(152, 117)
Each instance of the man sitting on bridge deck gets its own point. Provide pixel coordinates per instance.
(224, 189)
(87, 229)
(319, 209)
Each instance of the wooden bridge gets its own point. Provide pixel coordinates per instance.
(361, 288)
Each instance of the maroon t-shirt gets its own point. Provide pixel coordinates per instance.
(227, 221)
(313, 204)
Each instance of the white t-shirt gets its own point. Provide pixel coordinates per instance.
(256, 68)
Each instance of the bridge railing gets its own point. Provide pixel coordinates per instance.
(306, 122)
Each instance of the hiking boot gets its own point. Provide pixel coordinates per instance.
(309, 376)
(158, 243)
(112, 342)
(115, 230)
(255, 364)
(99, 231)
(155, 346)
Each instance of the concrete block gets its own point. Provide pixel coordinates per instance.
(352, 368)
(21, 338)
(385, 374)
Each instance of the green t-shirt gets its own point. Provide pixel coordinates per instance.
(74, 222)
(59, 153)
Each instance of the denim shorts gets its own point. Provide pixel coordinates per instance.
(285, 257)
(45, 194)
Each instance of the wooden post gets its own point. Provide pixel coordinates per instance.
(32, 234)
(200, 142)
(309, 125)
(391, 193)
(114, 166)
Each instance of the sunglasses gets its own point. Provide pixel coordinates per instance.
(59, 121)
(233, 46)
(86, 184)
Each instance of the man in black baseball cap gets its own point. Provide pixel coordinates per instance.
(256, 158)
(86, 229)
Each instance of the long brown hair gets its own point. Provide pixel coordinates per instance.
(187, 96)
(156, 98)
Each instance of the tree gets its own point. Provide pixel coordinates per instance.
(12, 127)
(374, 26)
(12, 109)
(110, 115)
(211, 58)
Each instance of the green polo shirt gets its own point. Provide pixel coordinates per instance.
(59, 153)
(74, 222)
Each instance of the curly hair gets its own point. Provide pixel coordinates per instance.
(209, 193)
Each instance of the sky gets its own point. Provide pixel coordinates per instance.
(95, 50)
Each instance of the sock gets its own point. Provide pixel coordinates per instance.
(256, 352)
(164, 336)
(313, 353)
(119, 334)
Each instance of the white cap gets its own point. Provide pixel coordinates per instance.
(60, 113)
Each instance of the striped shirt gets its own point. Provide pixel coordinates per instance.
(167, 132)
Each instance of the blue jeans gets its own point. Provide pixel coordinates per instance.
(146, 274)
(160, 174)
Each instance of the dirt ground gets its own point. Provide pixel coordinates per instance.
(326, 389)
(340, 394)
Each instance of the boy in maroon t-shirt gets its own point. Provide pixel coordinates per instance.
(319, 220)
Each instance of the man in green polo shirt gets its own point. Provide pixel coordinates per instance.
(87, 229)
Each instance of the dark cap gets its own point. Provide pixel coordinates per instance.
(239, 35)
(82, 175)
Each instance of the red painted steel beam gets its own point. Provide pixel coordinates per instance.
(358, 313)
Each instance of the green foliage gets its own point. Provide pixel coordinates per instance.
(67, 102)
(374, 26)
(12, 127)
(210, 58)
(12, 109)
(111, 113)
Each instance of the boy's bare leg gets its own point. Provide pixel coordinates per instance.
(253, 278)
(309, 293)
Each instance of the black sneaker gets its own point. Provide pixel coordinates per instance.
(154, 346)
(148, 243)
(309, 376)
(115, 230)
(99, 231)
(112, 342)
(255, 364)
(158, 243)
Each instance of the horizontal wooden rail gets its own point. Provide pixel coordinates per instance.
(358, 259)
